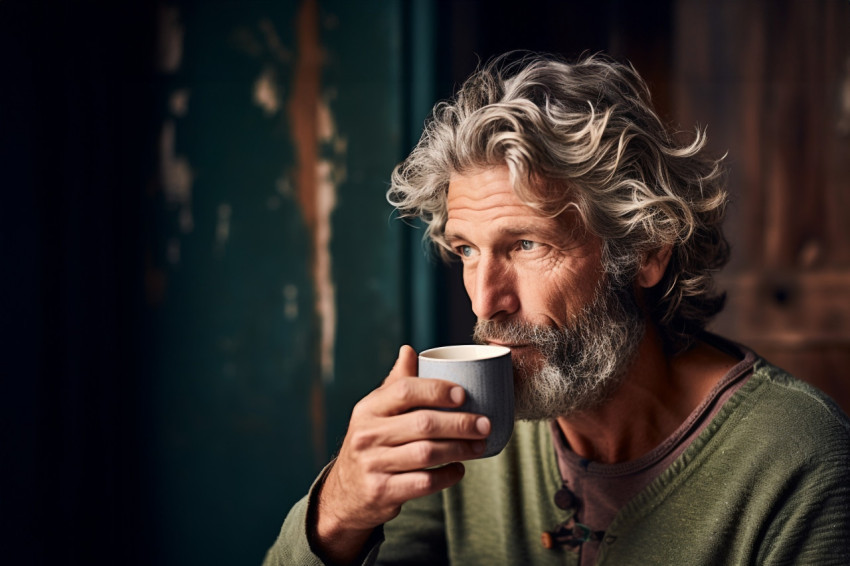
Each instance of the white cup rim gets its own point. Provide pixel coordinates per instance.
(464, 353)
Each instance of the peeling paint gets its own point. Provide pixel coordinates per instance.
(169, 39)
(222, 227)
(266, 92)
(246, 40)
(176, 176)
(273, 42)
(284, 186)
(340, 145)
(324, 121)
(178, 102)
(323, 276)
(290, 304)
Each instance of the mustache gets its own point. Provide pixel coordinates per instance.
(516, 333)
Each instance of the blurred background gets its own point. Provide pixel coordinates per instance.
(201, 273)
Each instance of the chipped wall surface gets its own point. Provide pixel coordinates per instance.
(273, 273)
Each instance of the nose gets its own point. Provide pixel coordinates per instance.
(491, 286)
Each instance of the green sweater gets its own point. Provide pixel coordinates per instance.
(767, 482)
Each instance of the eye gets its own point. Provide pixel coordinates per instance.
(464, 251)
(527, 245)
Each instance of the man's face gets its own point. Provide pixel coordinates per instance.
(537, 285)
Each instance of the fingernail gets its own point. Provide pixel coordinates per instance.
(457, 395)
(483, 425)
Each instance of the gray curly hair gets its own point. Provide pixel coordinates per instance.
(584, 135)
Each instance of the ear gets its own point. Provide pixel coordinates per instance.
(654, 266)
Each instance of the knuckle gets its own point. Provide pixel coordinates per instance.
(360, 440)
(424, 424)
(374, 487)
(424, 452)
(465, 423)
(436, 390)
(424, 483)
(360, 409)
(403, 390)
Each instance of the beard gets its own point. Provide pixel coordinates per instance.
(576, 367)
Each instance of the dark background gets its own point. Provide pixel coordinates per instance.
(164, 398)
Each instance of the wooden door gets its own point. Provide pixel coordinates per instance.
(771, 80)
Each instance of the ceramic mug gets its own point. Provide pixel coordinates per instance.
(486, 373)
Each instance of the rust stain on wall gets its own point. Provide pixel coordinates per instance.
(266, 92)
(316, 200)
(303, 109)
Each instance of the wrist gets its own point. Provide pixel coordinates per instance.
(331, 537)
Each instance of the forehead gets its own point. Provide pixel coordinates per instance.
(488, 196)
(484, 190)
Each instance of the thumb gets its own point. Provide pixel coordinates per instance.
(406, 365)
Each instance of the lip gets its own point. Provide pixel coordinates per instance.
(511, 346)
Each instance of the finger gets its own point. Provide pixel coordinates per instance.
(429, 454)
(406, 365)
(407, 486)
(426, 424)
(406, 393)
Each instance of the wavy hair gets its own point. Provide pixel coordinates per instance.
(584, 135)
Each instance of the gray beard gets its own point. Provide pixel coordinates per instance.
(577, 367)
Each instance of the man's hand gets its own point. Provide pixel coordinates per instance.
(397, 448)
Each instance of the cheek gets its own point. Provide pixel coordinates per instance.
(468, 281)
(540, 297)
(563, 295)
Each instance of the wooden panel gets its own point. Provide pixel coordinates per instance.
(798, 321)
(772, 82)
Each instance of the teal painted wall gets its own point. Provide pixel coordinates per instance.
(275, 273)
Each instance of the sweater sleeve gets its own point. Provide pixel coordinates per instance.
(292, 547)
(812, 524)
(417, 535)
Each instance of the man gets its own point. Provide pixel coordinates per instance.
(588, 235)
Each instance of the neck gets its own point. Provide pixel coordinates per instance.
(656, 396)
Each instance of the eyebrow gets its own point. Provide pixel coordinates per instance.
(516, 232)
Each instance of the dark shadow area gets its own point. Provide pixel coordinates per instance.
(75, 107)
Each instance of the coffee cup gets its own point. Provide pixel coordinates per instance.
(486, 373)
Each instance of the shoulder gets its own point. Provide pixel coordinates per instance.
(799, 405)
(776, 415)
